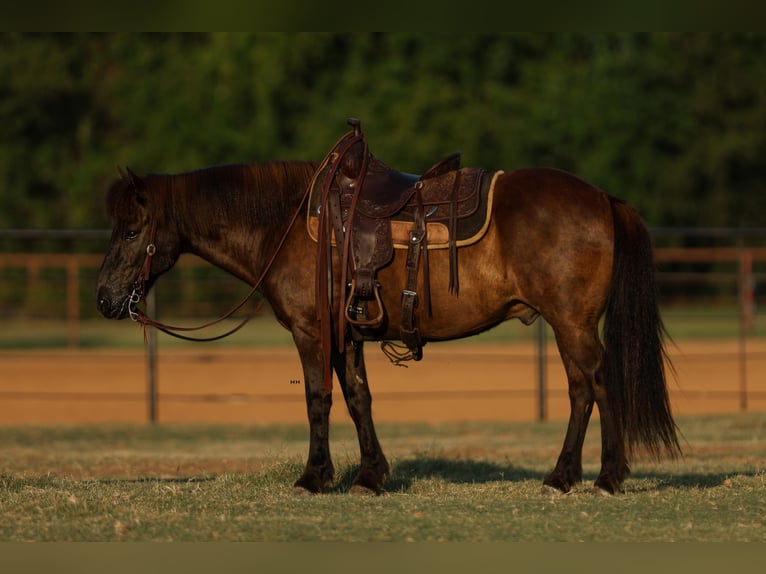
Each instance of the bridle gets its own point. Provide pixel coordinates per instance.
(143, 276)
(139, 288)
(138, 293)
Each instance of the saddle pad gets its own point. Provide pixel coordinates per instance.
(469, 229)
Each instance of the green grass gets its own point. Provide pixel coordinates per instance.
(457, 482)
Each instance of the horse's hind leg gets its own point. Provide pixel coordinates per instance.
(580, 353)
(614, 464)
(352, 375)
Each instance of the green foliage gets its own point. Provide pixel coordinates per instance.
(674, 123)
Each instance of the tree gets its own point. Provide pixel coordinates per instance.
(674, 123)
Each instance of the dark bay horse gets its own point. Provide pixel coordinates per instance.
(556, 247)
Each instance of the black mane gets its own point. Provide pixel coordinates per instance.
(264, 193)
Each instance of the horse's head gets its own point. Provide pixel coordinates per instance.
(143, 246)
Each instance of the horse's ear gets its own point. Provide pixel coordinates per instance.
(138, 186)
(134, 180)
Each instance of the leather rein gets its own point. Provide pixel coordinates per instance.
(139, 287)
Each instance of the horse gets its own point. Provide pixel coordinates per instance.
(555, 247)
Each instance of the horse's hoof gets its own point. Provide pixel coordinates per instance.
(359, 490)
(598, 491)
(606, 487)
(549, 490)
(300, 491)
(554, 484)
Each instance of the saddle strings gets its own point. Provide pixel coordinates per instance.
(397, 353)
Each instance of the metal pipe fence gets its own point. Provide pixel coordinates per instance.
(710, 279)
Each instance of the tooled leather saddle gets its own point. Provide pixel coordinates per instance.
(365, 210)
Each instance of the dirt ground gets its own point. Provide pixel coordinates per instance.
(454, 382)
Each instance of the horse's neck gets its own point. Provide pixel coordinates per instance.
(227, 234)
(234, 249)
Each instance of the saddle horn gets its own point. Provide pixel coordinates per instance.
(356, 124)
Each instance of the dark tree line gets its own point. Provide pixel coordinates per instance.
(673, 123)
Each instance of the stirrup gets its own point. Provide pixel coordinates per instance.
(376, 321)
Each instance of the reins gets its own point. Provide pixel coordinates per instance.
(139, 286)
(323, 290)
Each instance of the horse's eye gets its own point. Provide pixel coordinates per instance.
(130, 235)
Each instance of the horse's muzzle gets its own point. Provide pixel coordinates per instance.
(110, 307)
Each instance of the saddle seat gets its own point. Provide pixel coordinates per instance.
(384, 191)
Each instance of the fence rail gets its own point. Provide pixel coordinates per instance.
(744, 258)
(732, 258)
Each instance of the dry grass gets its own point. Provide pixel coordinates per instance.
(461, 482)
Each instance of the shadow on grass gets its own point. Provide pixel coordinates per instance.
(463, 471)
(407, 472)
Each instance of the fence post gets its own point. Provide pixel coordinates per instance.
(151, 359)
(542, 374)
(73, 301)
(746, 310)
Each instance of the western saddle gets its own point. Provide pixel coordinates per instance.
(366, 210)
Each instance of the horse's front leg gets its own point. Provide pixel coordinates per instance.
(319, 470)
(352, 375)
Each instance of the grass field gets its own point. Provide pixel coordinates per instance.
(449, 482)
(458, 481)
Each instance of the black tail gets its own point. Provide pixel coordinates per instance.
(634, 339)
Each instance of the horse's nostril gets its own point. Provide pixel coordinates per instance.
(104, 304)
